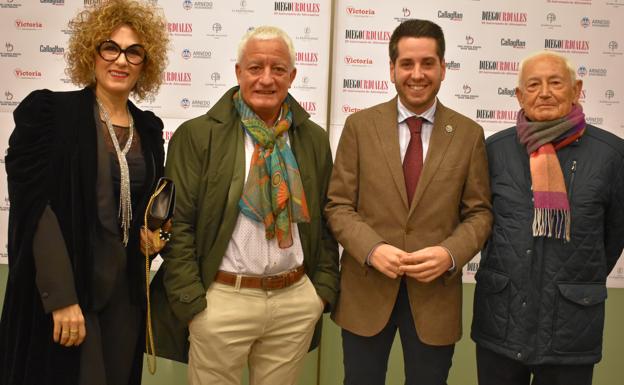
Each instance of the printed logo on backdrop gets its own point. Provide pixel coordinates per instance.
(450, 15)
(453, 65)
(469, 44)
(189, 4)
(174, 78)
(609, 98)
(466, 93)
(504, 18)
(359, 12)
(27, 74)
(550, 21)
(296, 8)
(149, 103)
(615, 3)
(53, 2)
(307, 58)
(358, 61)
(405, 15)
(307, 35)
(28, 25)
(305, 84)
(513, 43)
(496, 116)
(243, 8)
(91, 3)
(586, 22)
(368, 86)
(594, 120)
(216, 31)
(167, 134)
(53, 50)
(567, 45)
(10, 4)
(215, 80)
(8, 101)
(6, 205)
(367, 36)
(180, 29)
(9, 51)
(583, 71)
(347, 109)
(498, 67)
(506, 92)
(309, 106)
(612, 49)
(472, 267)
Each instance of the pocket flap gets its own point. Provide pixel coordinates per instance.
(491, 281)
(585, 294)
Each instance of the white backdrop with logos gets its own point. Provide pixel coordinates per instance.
(485, 41)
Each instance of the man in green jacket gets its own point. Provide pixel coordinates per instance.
(251, 265)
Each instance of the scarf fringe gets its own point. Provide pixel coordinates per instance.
(552, 223)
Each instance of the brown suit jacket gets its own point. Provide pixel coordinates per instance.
(368, 205)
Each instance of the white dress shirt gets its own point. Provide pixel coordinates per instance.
(249, 252)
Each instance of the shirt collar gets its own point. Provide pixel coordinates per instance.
(404, 113)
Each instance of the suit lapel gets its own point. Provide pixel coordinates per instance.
(386, 126)
(438, 145)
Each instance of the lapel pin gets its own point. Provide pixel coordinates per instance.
(448, 128)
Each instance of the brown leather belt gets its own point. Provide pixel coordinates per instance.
(270, 282)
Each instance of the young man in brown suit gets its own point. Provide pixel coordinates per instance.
(409, 200)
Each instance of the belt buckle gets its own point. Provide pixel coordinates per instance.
(273, 282)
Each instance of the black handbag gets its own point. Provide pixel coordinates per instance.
(159, 210)
(161, 204)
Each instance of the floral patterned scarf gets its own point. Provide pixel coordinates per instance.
(273, 193)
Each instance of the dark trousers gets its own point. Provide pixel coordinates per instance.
(112, 353)
(366, 358)
(495, 369)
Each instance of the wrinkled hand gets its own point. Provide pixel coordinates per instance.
(150, 240)
(69, 326)
(387, 259)
(426, 264)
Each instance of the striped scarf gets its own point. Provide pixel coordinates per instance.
(542, 139)
(273, 193)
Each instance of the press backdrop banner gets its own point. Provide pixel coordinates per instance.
(485, 41)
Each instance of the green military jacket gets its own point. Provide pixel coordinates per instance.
(206, 160)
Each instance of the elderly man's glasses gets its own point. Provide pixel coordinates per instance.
(110, 51)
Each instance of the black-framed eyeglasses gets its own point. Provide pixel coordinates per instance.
(110, 51)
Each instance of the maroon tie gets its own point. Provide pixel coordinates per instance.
(413, 161)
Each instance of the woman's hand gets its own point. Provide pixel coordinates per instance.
(69, 326)
(152, 242)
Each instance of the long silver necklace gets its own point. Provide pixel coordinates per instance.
(125, 202)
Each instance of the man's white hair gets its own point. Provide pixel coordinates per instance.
(551, 54)
(266, 32)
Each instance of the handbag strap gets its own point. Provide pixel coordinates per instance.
(150, 350)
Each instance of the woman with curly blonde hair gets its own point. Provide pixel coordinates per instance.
(81, 166)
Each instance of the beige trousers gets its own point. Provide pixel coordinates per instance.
(269, 330)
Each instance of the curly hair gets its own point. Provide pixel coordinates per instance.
(94, 25)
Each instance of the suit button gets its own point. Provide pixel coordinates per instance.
(524, 304)
(519, 355)
(529, 252)
(585, 300)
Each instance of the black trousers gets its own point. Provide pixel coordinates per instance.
(496, 369)
(366, 358)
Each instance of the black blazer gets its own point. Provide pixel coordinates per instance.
(52, 160)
